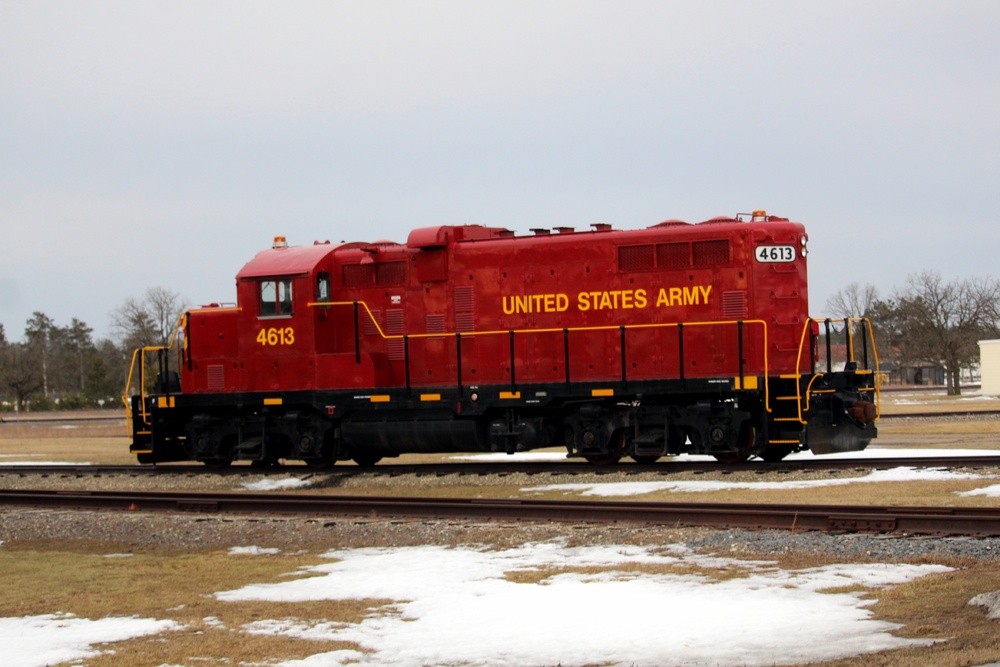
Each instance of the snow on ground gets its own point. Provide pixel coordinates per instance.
(901, 474)
(36, 641)
(37, 463)
(456, 606)
(870, 452)
(282, 484)
(992, 491)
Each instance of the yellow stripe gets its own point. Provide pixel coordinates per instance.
(380, 398)
(749, 382)
(165, 401)
(602, 392)
(273, 401)
(142, 451)
(510, 394)
(430, 397)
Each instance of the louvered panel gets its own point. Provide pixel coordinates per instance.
(465, 309)
(216, 377)
(435, 324)
(369, 322)
(394, 321)
(734, 305)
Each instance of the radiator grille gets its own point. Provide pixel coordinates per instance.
(216, 377)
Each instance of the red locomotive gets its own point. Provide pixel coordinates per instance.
(679, 338)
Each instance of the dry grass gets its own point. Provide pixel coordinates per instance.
(81, 580)
(936, 607)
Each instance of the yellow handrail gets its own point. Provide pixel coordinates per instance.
(804, 400)
(606, 327)
(140, 355)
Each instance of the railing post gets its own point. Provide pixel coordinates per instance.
(566, 353)
(406, 359)
(739, 338)
(829, 356)
(621, 335)
(864, 342)
(458, 358)
(850, 340)
(357, 336)
(680, 346)
(513, 376)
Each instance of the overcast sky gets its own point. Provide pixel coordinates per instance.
(163, 143)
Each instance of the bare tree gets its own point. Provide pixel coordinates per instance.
(853, 301)
(149, 321)
(942, 322)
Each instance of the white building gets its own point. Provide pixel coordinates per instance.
(989, 364)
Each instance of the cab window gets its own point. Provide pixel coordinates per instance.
(322, 286)
(275, 297)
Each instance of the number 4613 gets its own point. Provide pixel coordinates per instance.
(276, 336)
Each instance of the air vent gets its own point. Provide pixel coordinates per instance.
(710, 253)
(734, 305)
(216, 377)
(635, 257)
(465, 308)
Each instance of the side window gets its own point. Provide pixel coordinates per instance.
(275, 297)
(322, 287)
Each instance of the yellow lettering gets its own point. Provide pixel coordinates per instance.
(582, 302)
(562, 303)
(705, 290)
(508, 309)
(676, 298)
(640, 298)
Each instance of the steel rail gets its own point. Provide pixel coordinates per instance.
(967, 521)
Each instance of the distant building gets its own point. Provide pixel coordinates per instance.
(989, 364)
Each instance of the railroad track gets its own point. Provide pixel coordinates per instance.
(665, 467)
(967, 521)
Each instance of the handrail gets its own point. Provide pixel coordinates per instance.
(804, 400)
(803, 395)
(459, 336)
(140, 354)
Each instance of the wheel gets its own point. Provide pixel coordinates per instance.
(320, 463)
(616, 448)
(652, 458)
(744, 446)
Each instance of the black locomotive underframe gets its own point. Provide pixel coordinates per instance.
(598, 421)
